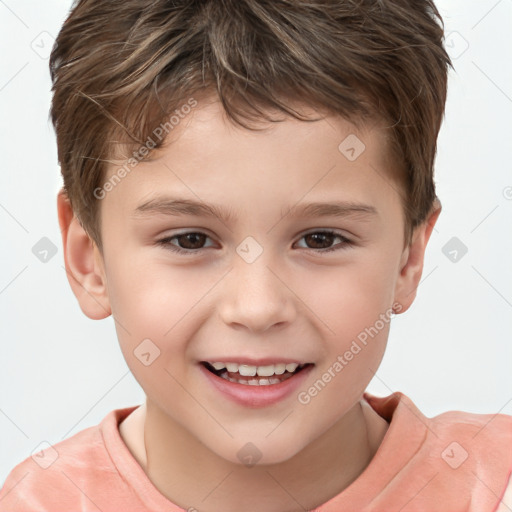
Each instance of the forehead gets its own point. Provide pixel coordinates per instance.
(208, 157)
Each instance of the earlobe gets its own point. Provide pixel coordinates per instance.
(411, 264)
(83, 262)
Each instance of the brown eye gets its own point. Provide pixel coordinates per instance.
(191, 240)
(185, 243)
(322, 241)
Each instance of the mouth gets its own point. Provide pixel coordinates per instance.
(251, 375)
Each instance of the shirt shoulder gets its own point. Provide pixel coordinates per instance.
(464, 462)
(456, 462)
(474, 454)
(78, 473)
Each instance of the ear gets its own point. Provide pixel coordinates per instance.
(84, 263)
(411, 263)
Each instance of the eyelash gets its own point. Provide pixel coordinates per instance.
(166, 242)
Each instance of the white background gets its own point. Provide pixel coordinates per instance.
(61, 372)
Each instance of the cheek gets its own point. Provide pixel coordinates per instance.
(152, 295)
(151, 305)
(152, 301)
(360, 317)
(355, 303)
(352, 297)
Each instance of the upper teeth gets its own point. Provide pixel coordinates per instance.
(262, 371)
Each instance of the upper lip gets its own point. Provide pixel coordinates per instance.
(254, 362)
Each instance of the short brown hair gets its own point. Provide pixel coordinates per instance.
(120, 67)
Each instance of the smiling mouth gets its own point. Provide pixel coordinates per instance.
(249, 375)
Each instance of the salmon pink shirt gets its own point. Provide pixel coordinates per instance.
(453, 462)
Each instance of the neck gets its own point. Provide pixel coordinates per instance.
(192, 476)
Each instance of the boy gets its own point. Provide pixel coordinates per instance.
(248, 191)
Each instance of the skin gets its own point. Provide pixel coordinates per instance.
(293, 301)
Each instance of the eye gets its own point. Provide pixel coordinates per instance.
(322, 240)
(193, 242)
(189, 243)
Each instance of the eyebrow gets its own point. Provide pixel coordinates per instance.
(176, 207)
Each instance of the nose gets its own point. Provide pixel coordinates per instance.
(255, 297)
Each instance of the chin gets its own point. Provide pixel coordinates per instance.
(259, 451)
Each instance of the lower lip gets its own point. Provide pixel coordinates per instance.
(256, 396)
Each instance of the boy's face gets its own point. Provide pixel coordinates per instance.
(258, 288)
